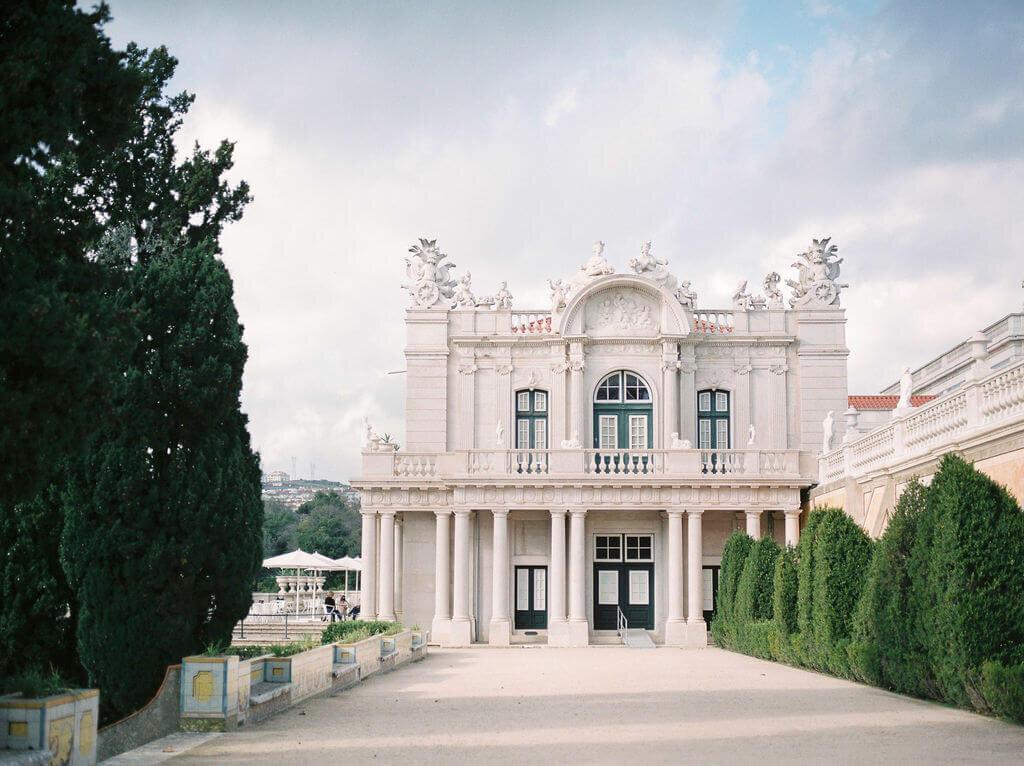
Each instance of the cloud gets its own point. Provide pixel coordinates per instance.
(518, 135)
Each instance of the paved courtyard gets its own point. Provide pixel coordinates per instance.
(613, 705)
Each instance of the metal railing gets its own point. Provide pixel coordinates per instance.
(622, 624)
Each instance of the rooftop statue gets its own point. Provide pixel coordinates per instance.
(653, 268)
(502, 298)
(426, 276)
(464, 297)
(686, 296)
(772, 291)
(597, 266)
(817, 285)
(741, 298)
(906, 386)
(828, 432)
(559, 294)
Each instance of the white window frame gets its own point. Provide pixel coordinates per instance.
(704, 437)
(639, 587)
(540, 401)
(523, 437)
(641, 420)
(601, 421)
(601, 560)
(704, 401)
(540, 433)
(605, 578)
(625, 547)
(523, 401)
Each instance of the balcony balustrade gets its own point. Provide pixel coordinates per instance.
(588, 464)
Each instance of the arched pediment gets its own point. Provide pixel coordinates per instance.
(621, 306)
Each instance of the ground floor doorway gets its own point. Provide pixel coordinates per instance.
(625, 586)
(531, 611)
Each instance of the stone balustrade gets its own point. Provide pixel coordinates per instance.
(976, 408)
(531, 322)
(588, 464)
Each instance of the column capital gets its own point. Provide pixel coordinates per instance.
(387, 512)
(790, 512)
(675, 512)
(443, 512)
(754, 511)
(577, 511)
(462, 511)
(369, 511)
(499, 512)
(558, 511)
(694, 511)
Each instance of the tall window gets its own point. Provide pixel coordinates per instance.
(531, 420)
(713, 419)
(622, 412)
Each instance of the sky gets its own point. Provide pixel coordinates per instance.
(730, 134)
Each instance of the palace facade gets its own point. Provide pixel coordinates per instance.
(571, 471)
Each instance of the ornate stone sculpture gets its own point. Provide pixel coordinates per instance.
(817, 285)
(559, 293)
(685, 295)
(741, 298)
(426, 276)
(772, 291)
(753, 435)
(464, 297)
(653, 268)
(758, 303)
(678, 443)
(573, 443)
(597, 266)
(828, 432)
(499, 436)
(502, 298)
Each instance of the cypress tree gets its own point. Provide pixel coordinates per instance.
(784, 589)
(887, 648)
(734, 556)
(163, 531)
(969, 573)
(754, 592)
(842, 552)
(805, 572)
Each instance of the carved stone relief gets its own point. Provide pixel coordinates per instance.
(622, 312)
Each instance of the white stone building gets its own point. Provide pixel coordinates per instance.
(569, 468)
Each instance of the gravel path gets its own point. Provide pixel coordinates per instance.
(613, 705)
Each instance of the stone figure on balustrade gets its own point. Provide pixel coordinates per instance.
(427, 275)
(817, 285)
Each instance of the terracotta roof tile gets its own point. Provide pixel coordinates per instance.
(884, 402)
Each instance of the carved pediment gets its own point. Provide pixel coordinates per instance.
(622, 312)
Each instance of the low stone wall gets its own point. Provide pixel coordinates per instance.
(160, 717)
(220, 693)
(64, 724)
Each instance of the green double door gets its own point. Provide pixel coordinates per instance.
(531, 594)
(628, 586)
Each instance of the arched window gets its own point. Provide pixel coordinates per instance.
(531, 419)
(622, 413)
(713, 419)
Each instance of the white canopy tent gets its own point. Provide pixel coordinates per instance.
(316, 562)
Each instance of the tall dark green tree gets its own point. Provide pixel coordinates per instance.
(67, 99)
(163, 532)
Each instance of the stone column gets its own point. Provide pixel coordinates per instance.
(579, 631)
(368, 592)
(579, 407)
(441, 625)
(754, 523)
(557, 400)
(792, 526)
(386, 604)
(461, 633)
(670, 385)
(688, 396)
(675, 625)
(399, 565)
(696, 630)
(558, 628)
(501, 623)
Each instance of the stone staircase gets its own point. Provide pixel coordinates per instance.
(251, 633)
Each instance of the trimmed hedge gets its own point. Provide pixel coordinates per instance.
(935, 608)
(754, 592)
(784, 590)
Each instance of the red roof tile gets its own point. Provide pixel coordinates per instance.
(884, 402)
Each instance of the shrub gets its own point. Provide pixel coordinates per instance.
(1003, 689)
(885, 647)
(357, 630)
(295, 647)
(755, 589)
(972, 589)
(804, 564)
(784, 592)
(842, 551)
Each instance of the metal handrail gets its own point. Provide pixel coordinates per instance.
(622, 623)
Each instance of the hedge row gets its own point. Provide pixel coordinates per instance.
(934, 608)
